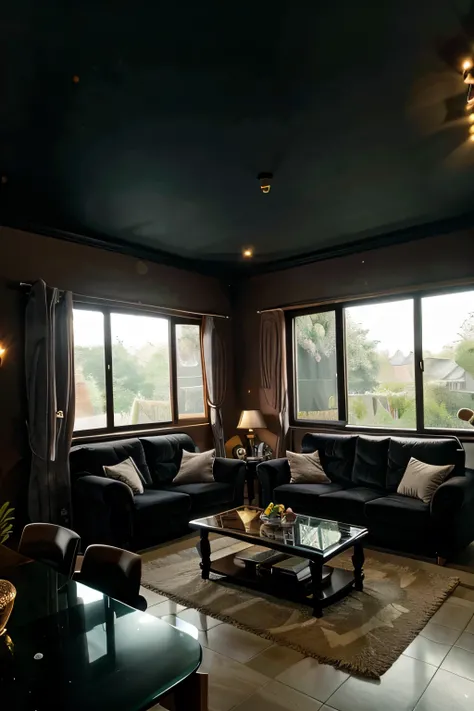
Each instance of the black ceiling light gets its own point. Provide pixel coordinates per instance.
(265, 182)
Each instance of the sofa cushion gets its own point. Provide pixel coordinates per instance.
(156, 513)
(128, 473)
(398, 512)
(306, 468)
(204, 496)
(430, 451)
(91, 458)
(421, 480)
(303, 498)
(370, 462)
(195, 468)
(336, 453)
(347, 505)
(163, 454)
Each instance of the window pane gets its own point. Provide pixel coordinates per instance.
(316, 367)
(89, 370)
(141, 369)
(448, 356)
(189, 371)
(380, 364)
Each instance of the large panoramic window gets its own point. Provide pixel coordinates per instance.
(405, 363)
(316, 366)
(448, 358)
(380, 365)
(135, 370)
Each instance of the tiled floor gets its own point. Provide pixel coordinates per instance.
(248, 673)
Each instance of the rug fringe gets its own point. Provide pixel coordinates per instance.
(353, 668)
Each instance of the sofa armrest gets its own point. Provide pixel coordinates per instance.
(231, 471)
(103, 511)
(271, 474)
(449, 498)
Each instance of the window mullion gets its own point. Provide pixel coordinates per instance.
(109, 390)
(173, 371)
(341, 364)
(418, 355)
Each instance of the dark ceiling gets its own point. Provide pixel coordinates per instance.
(358, 108)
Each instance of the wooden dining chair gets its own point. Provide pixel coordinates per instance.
(114, 572)
(55, 546)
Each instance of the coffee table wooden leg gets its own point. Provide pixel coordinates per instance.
(190, 695)
(316, 569)
(204, 550)
(358, 563)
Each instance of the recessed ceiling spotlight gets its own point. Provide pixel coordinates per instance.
(467, 64)
(247, 253)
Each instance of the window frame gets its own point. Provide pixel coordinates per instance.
(341, 355)
(176, 420)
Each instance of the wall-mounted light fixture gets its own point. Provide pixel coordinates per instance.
(2, 354)
(265, 182)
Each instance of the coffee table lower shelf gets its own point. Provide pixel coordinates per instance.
(335, 582)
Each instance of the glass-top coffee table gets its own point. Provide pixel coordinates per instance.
(285, 561)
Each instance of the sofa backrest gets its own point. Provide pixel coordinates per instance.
(336, 453)
(379, 462)
(91, 458)
(157, 457)
(163, 455)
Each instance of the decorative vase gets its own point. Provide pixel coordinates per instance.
(7, 598)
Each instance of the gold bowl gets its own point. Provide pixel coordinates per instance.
(7, 598)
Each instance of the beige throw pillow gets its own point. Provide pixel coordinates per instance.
(306, 469)
(126, 472)
(421, 480)
(196, 468)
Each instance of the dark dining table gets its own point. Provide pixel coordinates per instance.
(69, 647)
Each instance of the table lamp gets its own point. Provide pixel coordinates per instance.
(250, 420)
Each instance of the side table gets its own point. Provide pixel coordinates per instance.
(251, 477)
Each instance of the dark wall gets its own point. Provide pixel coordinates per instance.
(431, 261)
(85, 270)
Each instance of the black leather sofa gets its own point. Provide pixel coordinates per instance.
(365, 472)
(105, 510)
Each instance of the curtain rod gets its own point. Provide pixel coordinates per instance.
(85, 299)
(468, 281)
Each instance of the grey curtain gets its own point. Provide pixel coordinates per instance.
(273, 378)
(49, 362)
(214, 359)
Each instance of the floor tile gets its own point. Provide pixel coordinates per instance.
(398, 690)
(464, 592)
(274, 660)
(466, 641)
(427, 651)
(447, 692)
(453, 616)
(470, 627)
(234, 643)
(278, 697)
(196, 618)
(460, 602)
(151, 597)
(438, 633)
(165, 608)
(230, 683)
(312, 678)
(326, 708)
(460, 662)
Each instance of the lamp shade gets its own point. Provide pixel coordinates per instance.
(251, 419)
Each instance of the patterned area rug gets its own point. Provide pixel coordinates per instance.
(363, 634)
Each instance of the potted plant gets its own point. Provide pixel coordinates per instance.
(6, 519)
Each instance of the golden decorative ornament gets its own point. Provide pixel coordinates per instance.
(7, 598)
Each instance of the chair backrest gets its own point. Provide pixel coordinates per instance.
(53, 545)
(114, 571)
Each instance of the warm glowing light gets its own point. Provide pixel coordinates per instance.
(248, 252)
(467, 64)
(471, 129)
(2, 353)
(471, 137)
(471, 118)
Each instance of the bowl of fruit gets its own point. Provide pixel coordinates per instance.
(277, 515)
